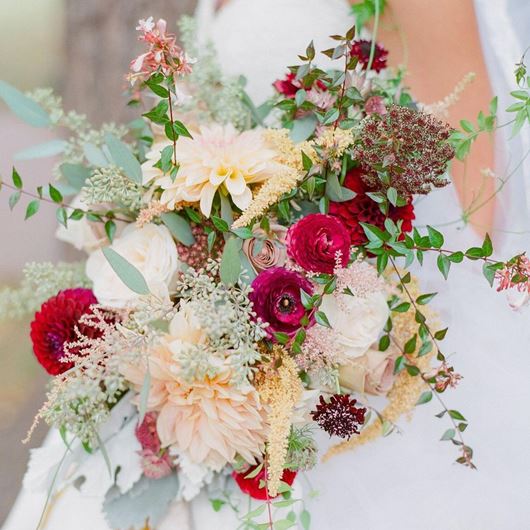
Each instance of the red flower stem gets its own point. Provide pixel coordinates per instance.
(268, 501)
(423, 375)
(173, 131)
(61, 204)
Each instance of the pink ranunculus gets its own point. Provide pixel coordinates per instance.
(277, 299)
(318, 243)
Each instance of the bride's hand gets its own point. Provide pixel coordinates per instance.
(439, 43)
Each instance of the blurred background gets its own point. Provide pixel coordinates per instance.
(80, 48)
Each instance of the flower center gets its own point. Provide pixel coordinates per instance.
(286, 303)
(56, 342)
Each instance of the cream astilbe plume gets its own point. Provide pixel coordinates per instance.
(287, 177)
(281, 389)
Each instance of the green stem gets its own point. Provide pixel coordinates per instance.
(374, 35)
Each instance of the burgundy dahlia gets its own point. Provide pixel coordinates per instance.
(55, 324)
(362, 209)
(339, 416)
(361, 50)
(318, 243)
(256, 486)
(277, 300)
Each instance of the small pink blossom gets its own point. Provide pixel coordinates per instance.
(444, 377)
(163, 55)
(375, 105)
(515, 275)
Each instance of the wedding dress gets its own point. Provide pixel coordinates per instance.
(404, 481)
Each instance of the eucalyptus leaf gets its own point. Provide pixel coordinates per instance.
(123, 157)
(335, 192)
(75, 174)
(148, 499)
(95, 155)
(25, 108)
(231, 262)
(126, 272)
(44, 150)
(179, 227)
(303, 128)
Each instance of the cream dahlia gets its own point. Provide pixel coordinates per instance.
(218, 157)
(210, 421)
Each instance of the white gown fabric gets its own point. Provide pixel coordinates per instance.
(408, 481)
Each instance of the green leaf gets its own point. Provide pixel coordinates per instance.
(440, 334)
(456, 415)
(243, 233)
(110, 229)
(305, 519)
(123, 157)
(424, 398)
(230, 262)
(322, 319)
(456, 257)
(220, 224)
(307, 163)
(62, 216)
(281, 337)
(25, 108)
(443, 265)
(283, 524)
(436, 238)
(425, 298)
(17, 180)
(412, 370)
(392, 195)
(303, 128)
(474, 253)
(410, 345)
(179, 227)
(217, 504)
(425, 348)
(32, 208)
(157, 89)
(402, 308)
(126, 272)
(399, 364)
(384, 343)
(487, 246)
(449, 434)
(181, 129)
(55, 194)
(335, 192)
(193, 214)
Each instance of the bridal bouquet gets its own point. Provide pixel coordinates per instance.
(246, 284)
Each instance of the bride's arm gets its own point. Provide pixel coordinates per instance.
(438, 41)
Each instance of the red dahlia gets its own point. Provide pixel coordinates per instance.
(339, 416)
(55, 324)
(361, 50)
(251, 486)
(362, 209)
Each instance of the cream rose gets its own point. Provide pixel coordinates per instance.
(371, 373)
(150, 249)
(356, 321)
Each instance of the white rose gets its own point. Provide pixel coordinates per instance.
(357, 322)
(82, 234)
(150, 249)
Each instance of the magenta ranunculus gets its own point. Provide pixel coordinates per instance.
(277, 300)
(318, 243)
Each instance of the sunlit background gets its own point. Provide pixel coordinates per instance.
(81, 48)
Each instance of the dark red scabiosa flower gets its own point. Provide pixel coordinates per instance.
(289, 85)
(362, 209)
(318, 243)
(339, 416)
(361, 50)
(251, 486)
(55, 324)
(277, 300)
